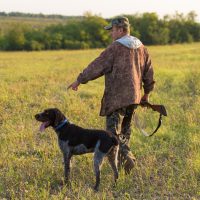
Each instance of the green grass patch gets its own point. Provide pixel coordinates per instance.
(168, 164)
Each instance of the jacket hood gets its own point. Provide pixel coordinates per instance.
(129, 41)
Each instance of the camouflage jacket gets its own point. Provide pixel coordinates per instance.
(127, 67)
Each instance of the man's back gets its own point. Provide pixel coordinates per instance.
(123, 84)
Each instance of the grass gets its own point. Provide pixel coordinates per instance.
(168, 164)
(34, 22)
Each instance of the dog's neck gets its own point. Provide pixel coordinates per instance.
(60, 125)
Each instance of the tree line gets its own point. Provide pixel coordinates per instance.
(87, 32)
(40, 15)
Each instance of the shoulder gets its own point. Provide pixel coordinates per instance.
(109, 50)
(114, 46)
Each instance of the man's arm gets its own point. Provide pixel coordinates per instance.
(100, 66)
(148, 79)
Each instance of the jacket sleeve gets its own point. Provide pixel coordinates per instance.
(148, 79)
(100, 66)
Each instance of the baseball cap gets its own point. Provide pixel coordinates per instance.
(119, 21)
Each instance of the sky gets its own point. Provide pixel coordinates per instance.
(105, 8)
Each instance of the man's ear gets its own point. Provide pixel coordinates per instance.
(120, 29)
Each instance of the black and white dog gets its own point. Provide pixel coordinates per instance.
(74, 140)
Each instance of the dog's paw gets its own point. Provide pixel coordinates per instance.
(67, 182)
(96, 189)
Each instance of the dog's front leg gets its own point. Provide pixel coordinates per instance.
(67, 157)
(98, 159)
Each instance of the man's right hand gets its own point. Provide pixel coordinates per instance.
(74, 85)
(145, 98)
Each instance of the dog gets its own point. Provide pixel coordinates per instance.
(74, 140)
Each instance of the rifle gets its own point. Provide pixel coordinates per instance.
(158, 108)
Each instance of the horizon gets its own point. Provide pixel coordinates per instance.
(105, 8)
(197, 18)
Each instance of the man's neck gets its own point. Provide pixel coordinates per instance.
(122, 35)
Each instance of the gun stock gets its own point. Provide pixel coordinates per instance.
(159, 108)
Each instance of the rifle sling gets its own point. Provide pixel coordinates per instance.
(159, 124)
(159, 120)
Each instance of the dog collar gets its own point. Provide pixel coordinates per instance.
(61, 125)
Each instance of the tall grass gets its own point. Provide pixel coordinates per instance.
(34, 22)
(168, 164)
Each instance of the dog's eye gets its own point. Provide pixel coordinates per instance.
(46, 112)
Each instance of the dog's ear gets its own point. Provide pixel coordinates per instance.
(59, 117)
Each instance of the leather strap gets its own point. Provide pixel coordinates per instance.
(160, 109)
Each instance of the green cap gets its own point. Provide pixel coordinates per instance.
(119, 21)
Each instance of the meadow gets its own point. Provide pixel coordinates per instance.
(34, 22)
(168, 164)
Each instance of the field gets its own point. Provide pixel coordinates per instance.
(168, 164)
(34, 22)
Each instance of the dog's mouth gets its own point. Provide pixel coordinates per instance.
(44, 125)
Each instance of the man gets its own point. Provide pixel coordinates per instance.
(126, 65)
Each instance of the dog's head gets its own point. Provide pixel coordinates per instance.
(50, 117)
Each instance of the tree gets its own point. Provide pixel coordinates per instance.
(56, 41)
(151, 29)
(93, 26)
(181, 28)
(14, 39)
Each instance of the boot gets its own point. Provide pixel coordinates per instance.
(126, 159)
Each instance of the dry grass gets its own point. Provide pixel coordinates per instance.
(168, 164)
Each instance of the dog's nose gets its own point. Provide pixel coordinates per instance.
(37, 116)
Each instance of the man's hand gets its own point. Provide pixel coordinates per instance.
(74, 85)
(145, 98)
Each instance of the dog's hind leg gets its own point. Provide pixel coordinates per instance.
(98, 159)
(112, 158)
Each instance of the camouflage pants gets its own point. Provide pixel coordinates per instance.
(119, 122)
